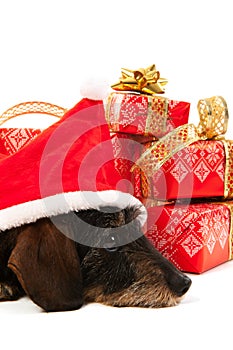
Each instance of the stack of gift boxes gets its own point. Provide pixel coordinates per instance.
(135, 121)
(182, 173)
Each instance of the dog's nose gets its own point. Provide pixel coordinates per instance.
(185, 285)
(180, 284)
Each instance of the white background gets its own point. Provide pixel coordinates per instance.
(47, 48)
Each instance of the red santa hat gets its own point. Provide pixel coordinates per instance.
(68, 167)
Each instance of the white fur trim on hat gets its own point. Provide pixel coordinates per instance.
(95, 88)
(63, 203)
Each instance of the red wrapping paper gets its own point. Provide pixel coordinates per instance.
(145, 115)
(197, 171)
(13, 139)
(195, 237)
(126, 151)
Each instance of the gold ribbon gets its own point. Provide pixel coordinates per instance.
(213, 114)
(161, 151)
(37, 107)
(144, 80)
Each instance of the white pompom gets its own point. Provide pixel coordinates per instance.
(95, 88)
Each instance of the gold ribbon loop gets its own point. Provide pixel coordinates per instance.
(144, 80)
(213, 113)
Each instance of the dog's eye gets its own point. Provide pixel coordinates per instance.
(111, 246)
(112, 249)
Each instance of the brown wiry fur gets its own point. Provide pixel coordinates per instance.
(48, 261)
(148, 289)
(153, 296)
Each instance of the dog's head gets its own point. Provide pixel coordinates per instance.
(116, 266)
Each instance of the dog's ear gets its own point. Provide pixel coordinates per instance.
(47, 265)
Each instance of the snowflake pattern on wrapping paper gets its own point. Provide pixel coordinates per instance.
(200, 158)
(223, 237)
(121, 164)
(220, 171)
(125, 152)
(191, 245)
(189, 218)
(15, 138)
(213, 228)
(191, 156)
(192, 230)
(214, 153)
(116, 146)
(202, 171)
(154, 235)
(211, 242)
(153, 190)
(179, 171)
(204, 223)
(207, 231)
(172, 104)
(122, 167)
(129, 107)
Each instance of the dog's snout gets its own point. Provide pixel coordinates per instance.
(180, 284)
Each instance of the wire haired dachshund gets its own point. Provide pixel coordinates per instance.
(87, 256)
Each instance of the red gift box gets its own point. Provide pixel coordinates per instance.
(195, 237)
(127, 150)
(12, 139)
(145, 115)
(201, 169)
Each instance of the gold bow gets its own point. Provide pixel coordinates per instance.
(145, 80)
(213, 114)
